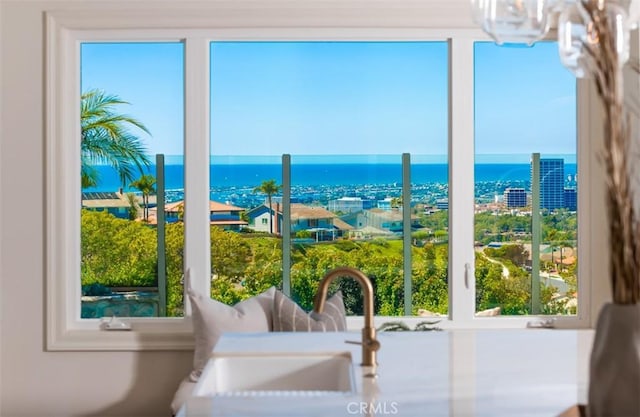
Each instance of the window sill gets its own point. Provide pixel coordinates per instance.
(145, 334)
(497, 322)
(177, 334)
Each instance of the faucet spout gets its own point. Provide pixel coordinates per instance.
(369, 342)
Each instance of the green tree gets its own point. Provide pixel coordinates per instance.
(230, 255)
(107, 138)
(268, 187)
(303, 234)
(435, 221)
(430, 278)
(265, 268)
(174, 250)
(146, 185)
(512, 295)
(116, 252)
(132, 210)
(515, 253)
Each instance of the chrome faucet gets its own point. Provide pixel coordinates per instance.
(369, 342)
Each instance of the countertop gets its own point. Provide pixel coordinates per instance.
(529, 372)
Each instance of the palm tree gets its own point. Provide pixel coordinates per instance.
(132, 210)
(106, 139)
(145, 184)
(268, 187)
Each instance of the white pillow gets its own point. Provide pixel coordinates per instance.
(211, 318)
(290, 317)
(184, 392)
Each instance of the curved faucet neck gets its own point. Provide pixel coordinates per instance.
(362, 279)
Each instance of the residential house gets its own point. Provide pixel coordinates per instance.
(316, 220)
(342, 228)
(385, 220)
(225, 216)
(115, 203)
(261, 218)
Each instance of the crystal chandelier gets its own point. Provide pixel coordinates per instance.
(528, 21)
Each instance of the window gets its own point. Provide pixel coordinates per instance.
(526, 181)
(444, 145)
(345, 112)
(131, 166)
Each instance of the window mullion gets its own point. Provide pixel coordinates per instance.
(461, 181)
(406, 233)
(286, 224)
(197, 250)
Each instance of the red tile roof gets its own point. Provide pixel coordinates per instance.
(214, 207)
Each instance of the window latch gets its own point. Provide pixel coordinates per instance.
(114, 323)
(467, 270)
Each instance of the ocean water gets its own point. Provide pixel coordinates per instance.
(309, 175)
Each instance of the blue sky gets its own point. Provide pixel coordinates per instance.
(345, 98)
(524, 99)
(147, 75)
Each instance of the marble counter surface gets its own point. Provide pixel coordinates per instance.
(528, 372)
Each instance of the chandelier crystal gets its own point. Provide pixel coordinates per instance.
(528, 21)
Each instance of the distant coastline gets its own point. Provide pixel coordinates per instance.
(366, 159)
(332, 174)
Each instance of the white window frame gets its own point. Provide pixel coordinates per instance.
(196, 26)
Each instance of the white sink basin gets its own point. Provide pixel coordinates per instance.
(267, 374)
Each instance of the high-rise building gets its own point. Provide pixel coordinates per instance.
(570, 199)
(515, 197)
(551, 183)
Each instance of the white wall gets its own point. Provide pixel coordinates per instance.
(259, 226)
(1, 240)
(35, 382)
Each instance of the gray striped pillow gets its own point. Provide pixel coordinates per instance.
(290, 317)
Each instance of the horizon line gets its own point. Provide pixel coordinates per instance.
(491, 158)
(481, 159)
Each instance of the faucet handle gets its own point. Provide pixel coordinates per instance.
(369, 348)
(372, 344)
